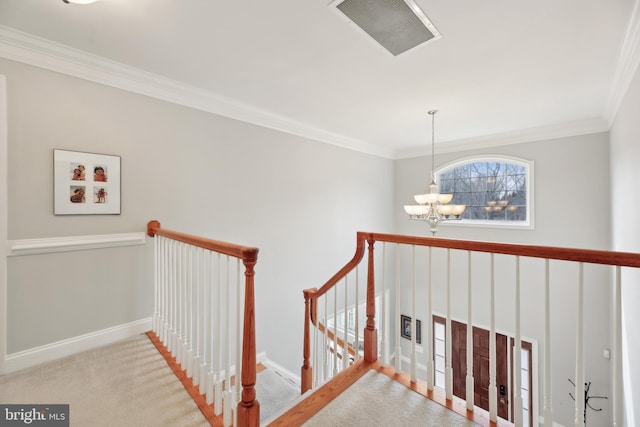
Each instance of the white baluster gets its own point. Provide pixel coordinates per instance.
(179, 269)
(430, 362)
(156, 287)
(414, 328)
(167, 301)
(176, 288)
(548, 414)
(167, 341)
(171, 300)
(315, 345)
(345, 338)
(517, 369)
(617, 350)
(493, 389)
(227, 395)
(469, 380)
(397, 292)
(203, 323)
(189, 367)
(212, 334)
(239, 334)
(357, 315)
(335, 330)
(163, 278)
(197, 282)
(448, 372)
(185, 306)
(325, 354)
(217, 406)
(383, 309)
(178, 303)
(579, 391)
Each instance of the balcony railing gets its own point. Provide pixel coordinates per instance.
(516, 290)
(204, 313)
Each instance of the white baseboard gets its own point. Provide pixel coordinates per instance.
(262, 358)
(553, 423)
(49, 352)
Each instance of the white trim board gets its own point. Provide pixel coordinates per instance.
(284, 372)
(57, 350)
(73, 243)
(4, 197)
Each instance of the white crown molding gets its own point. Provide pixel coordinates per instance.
(628, 62)
(562, 130)
(28, 49)
(73, 243)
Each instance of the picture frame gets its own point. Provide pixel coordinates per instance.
(405, 328)
(85, 183)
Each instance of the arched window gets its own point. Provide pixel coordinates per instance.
(497, 190)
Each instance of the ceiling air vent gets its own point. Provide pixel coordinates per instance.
(397, 25)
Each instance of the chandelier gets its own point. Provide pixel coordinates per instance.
(433, 207)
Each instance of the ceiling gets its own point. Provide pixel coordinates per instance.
(503, 71)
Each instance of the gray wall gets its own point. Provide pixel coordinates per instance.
(625, 177)
(571, 199)
(300, 201)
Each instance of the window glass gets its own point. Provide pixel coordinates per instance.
(496, 191)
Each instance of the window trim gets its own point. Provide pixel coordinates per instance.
(529, 166)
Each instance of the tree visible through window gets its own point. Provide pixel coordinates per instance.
(495, 189)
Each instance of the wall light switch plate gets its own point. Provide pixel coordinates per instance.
(606, 353)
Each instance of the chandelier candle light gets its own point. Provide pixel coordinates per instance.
(432, 207)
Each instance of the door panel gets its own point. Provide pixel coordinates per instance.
(480, 367)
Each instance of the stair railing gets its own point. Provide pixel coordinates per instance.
(445, 266)
(198, 291)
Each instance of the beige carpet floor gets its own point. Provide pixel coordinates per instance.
(124, 384)
(377, 400)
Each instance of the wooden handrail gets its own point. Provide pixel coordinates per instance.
(323, 329)
(248, 407)
(623, 259)
(237, 251)
(357, 257)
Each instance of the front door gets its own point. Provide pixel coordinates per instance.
(480, 367)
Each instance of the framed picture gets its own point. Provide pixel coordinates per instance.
(85, 183)
(405, 328)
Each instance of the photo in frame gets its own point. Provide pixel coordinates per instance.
(85, 183)
(405, 328)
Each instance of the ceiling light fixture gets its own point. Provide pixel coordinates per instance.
(432, 207)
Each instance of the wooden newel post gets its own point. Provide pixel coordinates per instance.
(249, 407)
(152, 227)
(306, 374)
(370, 331)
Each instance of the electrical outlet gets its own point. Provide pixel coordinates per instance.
(606, 353)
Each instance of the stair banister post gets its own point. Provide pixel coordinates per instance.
(152, 227)
(306, 375)
(249, 407)
(370, 331)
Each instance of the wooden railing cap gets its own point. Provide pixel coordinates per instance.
(248, 254)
